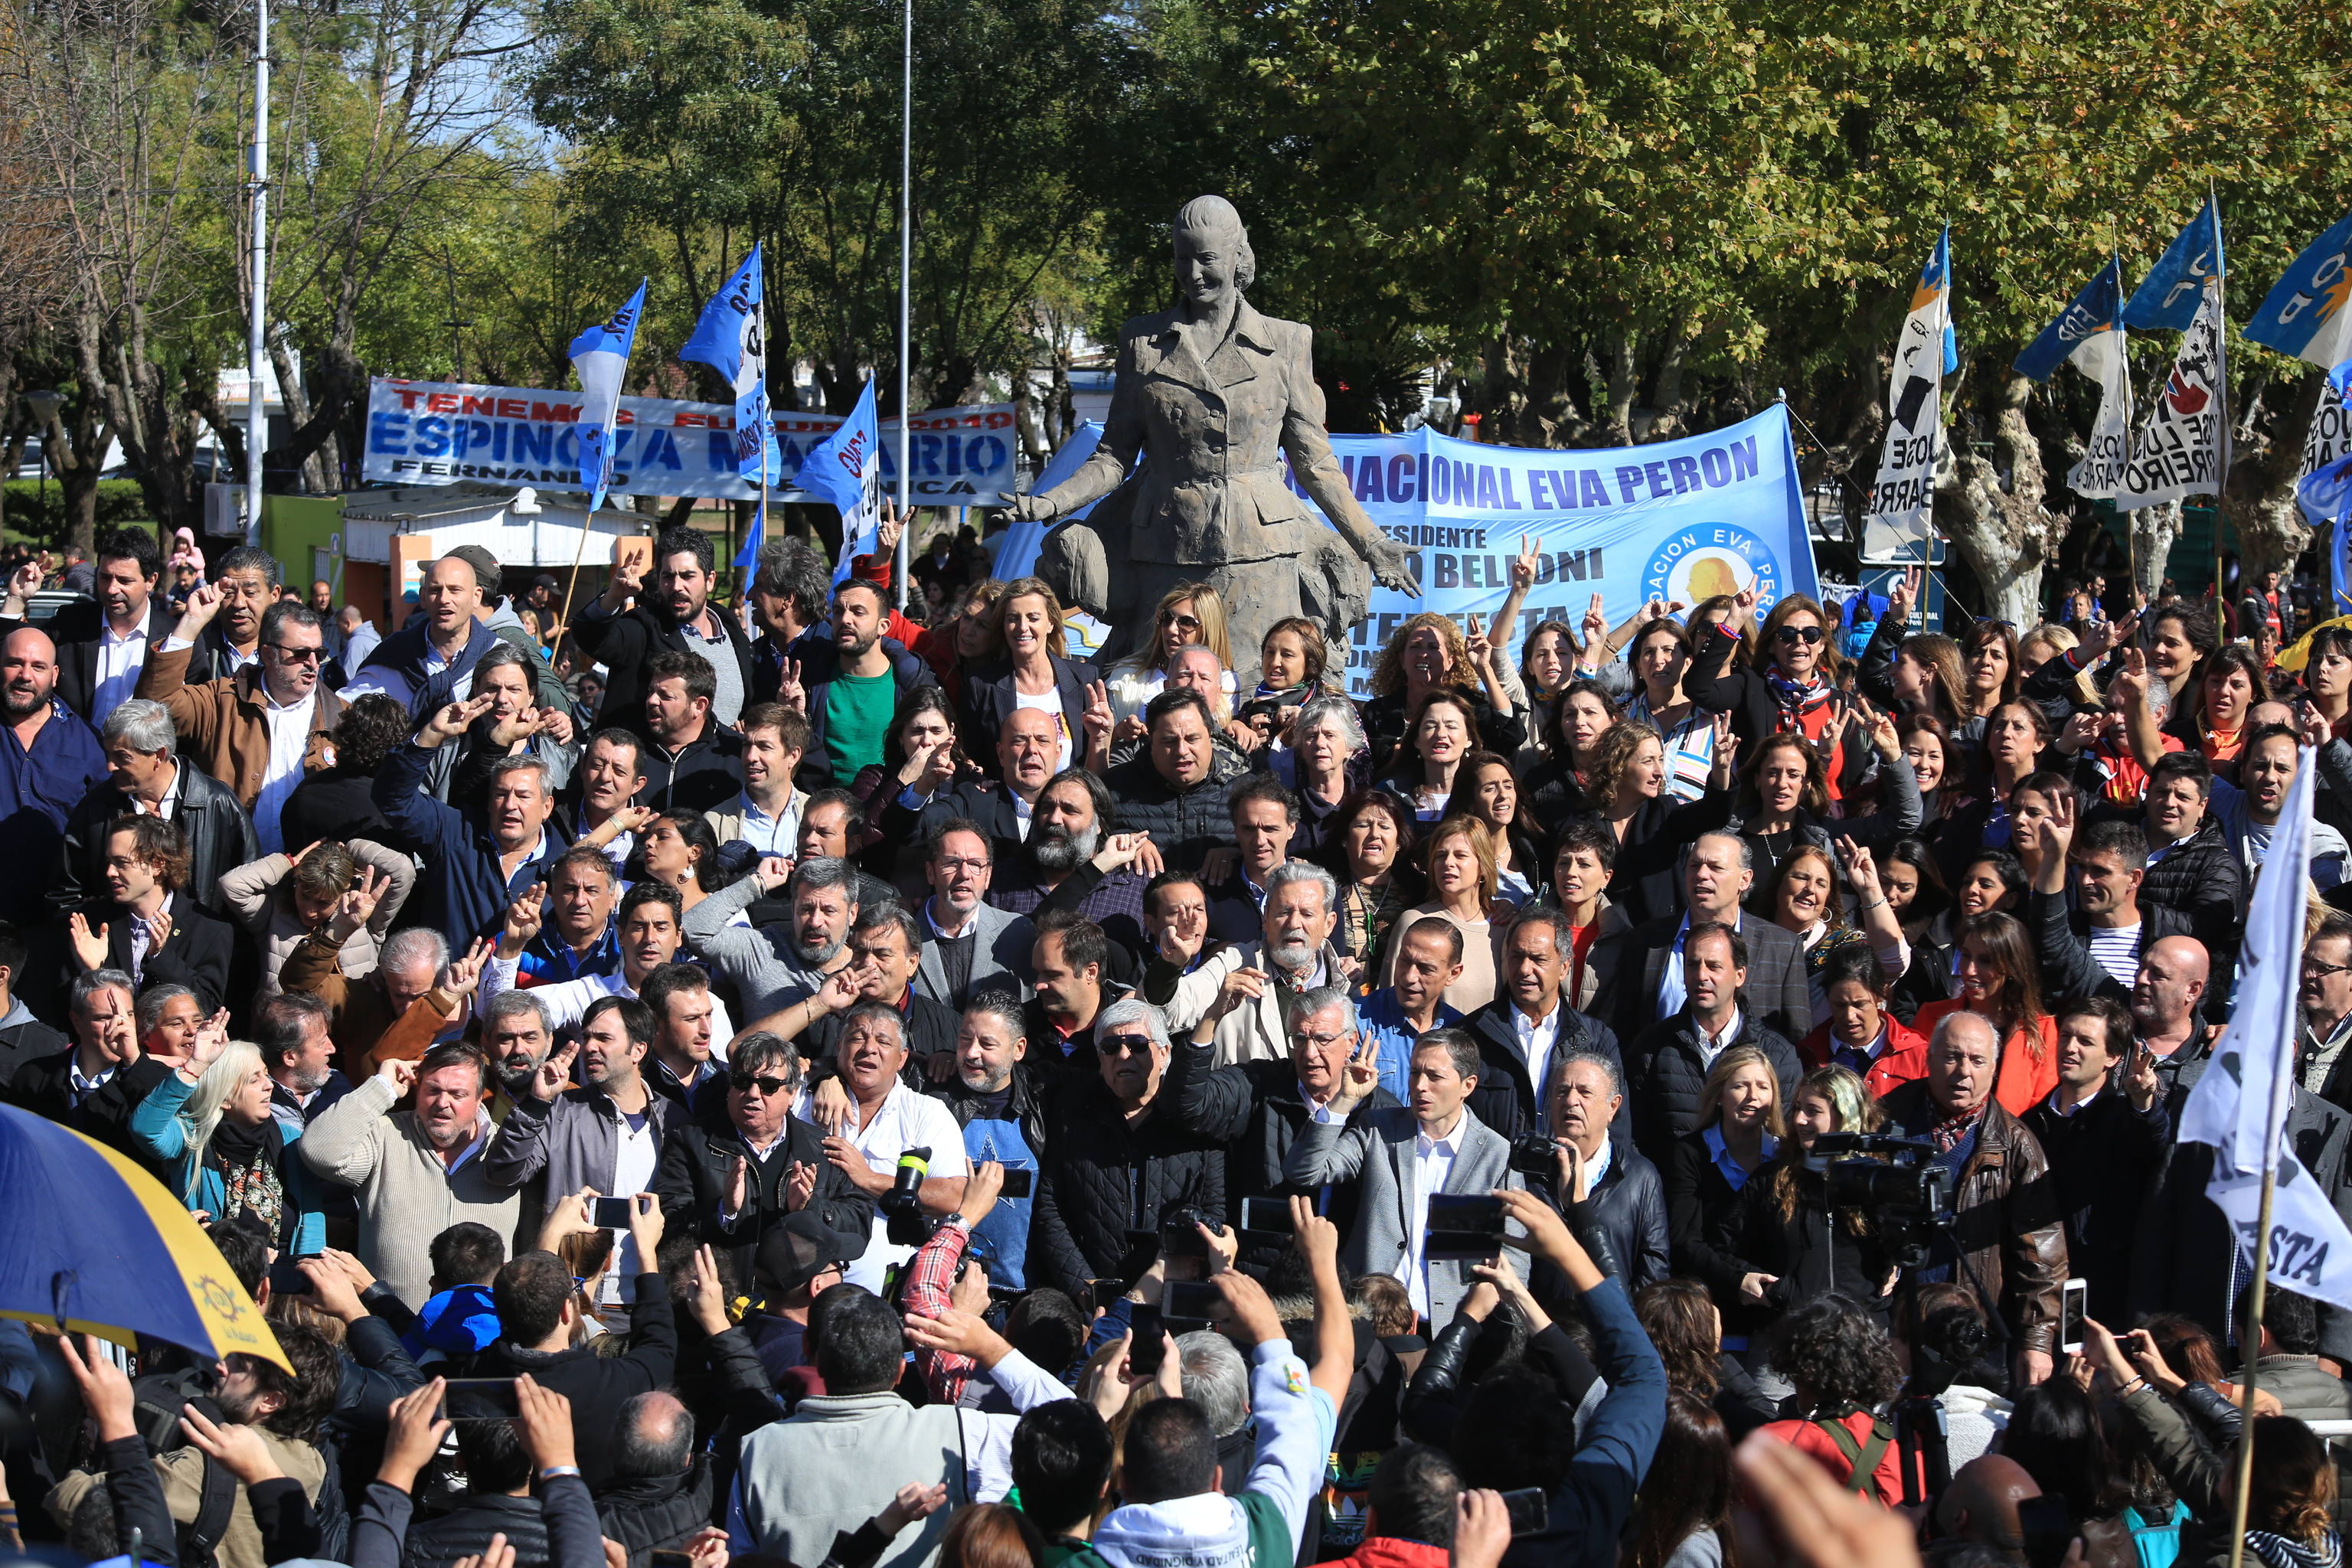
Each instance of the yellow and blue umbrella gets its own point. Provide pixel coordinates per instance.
(96, 1245)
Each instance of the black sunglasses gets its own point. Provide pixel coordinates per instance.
(1120, 1045)
(768, 1088)
(1797, 634)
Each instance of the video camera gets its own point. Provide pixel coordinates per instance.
(902, 1205)
(1908, 1196)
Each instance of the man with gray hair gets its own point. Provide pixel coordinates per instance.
(397, 1008)
(299, 1055)
(94, 1086)
(1217, 1379)
(146, 778)
(773, 966)
(1242, 991)
(1397, 1157)
(1120, 1161)
(1254, 1110)
(1600, 1166)
(1719, 873)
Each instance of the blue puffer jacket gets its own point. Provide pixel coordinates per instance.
(158, 1128)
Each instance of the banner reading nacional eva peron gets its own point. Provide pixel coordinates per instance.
(440, 432)
(1681, 521)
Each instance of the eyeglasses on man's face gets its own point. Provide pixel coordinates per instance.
(290, 654)
(768, 1087)
(1123, 1045)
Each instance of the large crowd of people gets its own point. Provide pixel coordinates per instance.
(776, 1081)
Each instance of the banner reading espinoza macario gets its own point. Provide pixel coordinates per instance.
(1675, 520)
(438, 433)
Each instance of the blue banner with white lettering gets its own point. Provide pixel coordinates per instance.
(1681, 521)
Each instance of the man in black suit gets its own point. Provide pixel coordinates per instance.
(145, 777)
(23, 1037)
(1528, 1023)
(147, 927)
(103, 641)
(1647, 975)
(2104, 1131)
(93, 1086)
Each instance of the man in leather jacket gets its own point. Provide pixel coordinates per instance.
(2007, 1224)
(730, 1182)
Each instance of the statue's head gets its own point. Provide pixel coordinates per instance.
(1212, 251)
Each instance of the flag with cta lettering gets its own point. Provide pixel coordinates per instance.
(846, 469)
(2240, 1104)
(599, 358)
(731, 338)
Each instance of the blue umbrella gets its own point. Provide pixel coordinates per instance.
(96, 1245)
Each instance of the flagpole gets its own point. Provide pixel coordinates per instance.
(2253, 1357)
(2221, 480)
(906, 288)
(767, 412)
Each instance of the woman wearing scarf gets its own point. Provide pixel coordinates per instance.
(1791, 688)
(211, 1121)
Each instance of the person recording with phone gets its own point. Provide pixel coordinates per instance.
(2105, 1134)
(2005, 1237)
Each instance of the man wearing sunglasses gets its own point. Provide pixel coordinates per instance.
(261, 729)
(732, 1179)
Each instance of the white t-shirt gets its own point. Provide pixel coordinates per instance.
(906, 1121)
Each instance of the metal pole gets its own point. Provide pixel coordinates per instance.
(256, 422)
(2245, 1466)
(906, 291)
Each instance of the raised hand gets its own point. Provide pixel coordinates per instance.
(1096, 719)
(789, 691)
(414, 1430)
(2130, 683)
(358, 904)
(451, 719)
(518, 726)
(159, 927)
(1242, 986)
(774, 871)
(554, 1076)
(546, 1417)
(523, 918)
(88, 946)
(739, 1183)
(1743, 609)
(628, 577)
(1833, 733)
(1596, 634)
(2058, 827)
(1120, 850)
(212, 1039)
(1861, 870)
(238, 1447)
(1884, 739)
(201, 606)
(1525, 566)
(2312, 726)
(839, 990)
(705, 1295)
(887, 531)
(1361, 1075)
(2082, 730)
(399, 1076)
(556, 724)
(799, 1185)
(1902, 596)
(24, 582)
(464, 975)
(929, 766)
(1481, 652)
(105, 1387)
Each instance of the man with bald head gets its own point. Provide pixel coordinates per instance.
(1981, 1505)
(2006, 1207)
(659, 1493)
(928, 796)
(49, 763)
(2167, 999)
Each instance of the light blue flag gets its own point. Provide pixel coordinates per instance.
(2304, 314)
(599, 358)
(846, 469)
(731, 338)
(1935, 284)
(2093, 310)
(2169, 295)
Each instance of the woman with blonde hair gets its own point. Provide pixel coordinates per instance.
(1783, 1241)
(1738, 1134)
(1033, 673)
(1428, 655)
(2044, 643)
(210, 1121)
(1190, 614)
(1459, 860)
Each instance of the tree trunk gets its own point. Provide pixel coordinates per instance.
(2271, 528)
(2005, 534)
(1668, 399)
(1559, 420)
(1624, 385)
(2153, 529)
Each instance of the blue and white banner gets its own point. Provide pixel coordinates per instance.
(2089, 333)
(2169, 295)
(846, 469)
(2304, 314)
(445, 433)
(599, 358)
(731, 338)
(2094, 312)
(1903, 500)
(1675, 520)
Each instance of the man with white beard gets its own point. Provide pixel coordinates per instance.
(1073, 858)
(1247, 988)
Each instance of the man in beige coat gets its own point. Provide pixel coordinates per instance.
(417, 1172)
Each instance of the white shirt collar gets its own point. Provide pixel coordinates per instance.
(1451, 1144)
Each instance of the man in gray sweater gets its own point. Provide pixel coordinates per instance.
(417, 1172)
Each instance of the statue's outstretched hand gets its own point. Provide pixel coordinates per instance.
(1391, 565)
